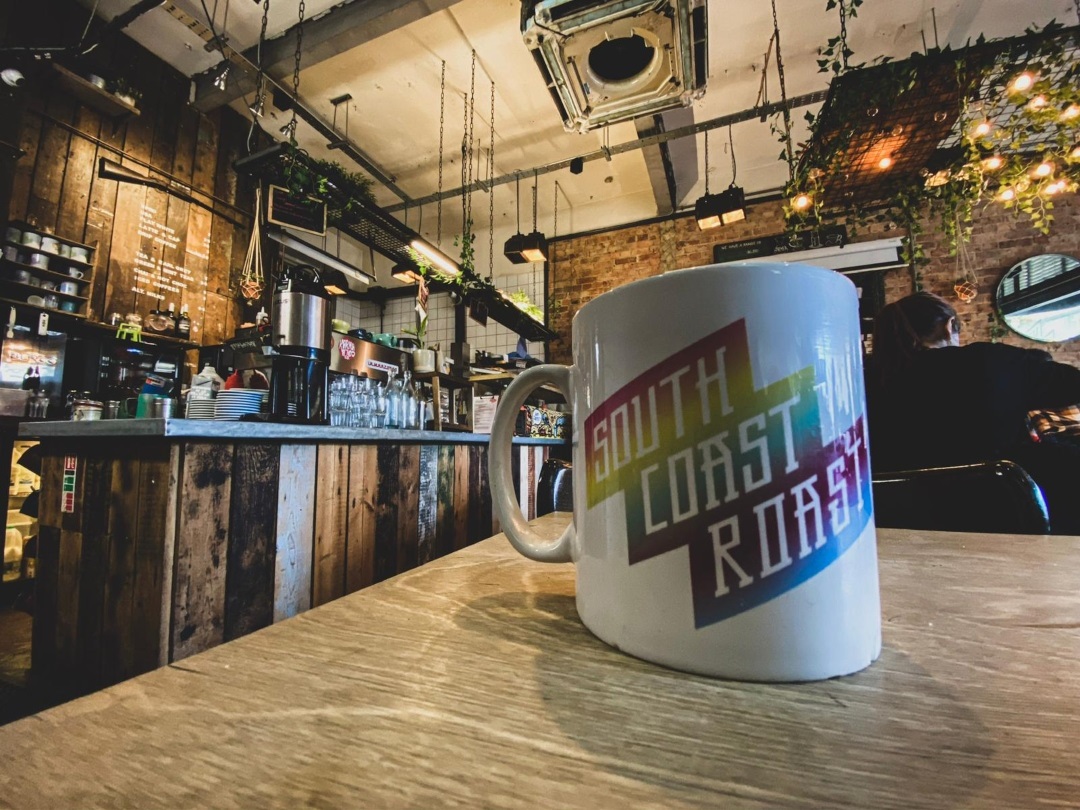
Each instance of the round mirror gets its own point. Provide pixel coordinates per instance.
(1039, 297)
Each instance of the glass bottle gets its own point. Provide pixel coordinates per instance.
(183, 325)
(393, 405)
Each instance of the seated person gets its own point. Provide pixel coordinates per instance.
(932, 402)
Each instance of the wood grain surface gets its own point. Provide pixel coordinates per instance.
(470, 682)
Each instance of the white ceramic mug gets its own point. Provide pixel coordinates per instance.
(75, 272)
(69, 287)
(723, 521)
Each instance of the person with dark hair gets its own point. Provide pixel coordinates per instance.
(932, 402)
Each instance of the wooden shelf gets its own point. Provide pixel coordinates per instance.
(93, 96)
(41, 271)
(57, 312)
(32, 290)
(26, 226)
(30, 249)
(147, 337)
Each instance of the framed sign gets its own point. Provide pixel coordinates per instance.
(308, 214)
(832, 236)
(478, 311)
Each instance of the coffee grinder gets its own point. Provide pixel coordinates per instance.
(300, 329)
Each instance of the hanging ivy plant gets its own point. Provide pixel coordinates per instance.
(1016, 141)
(304, 176)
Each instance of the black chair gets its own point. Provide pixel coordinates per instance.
(555, 487)
(992, 496)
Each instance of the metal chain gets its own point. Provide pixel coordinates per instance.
(467, 151)
(491, 190)
(555, 227)
(442, 128)
(706, 162)
(296, 69)
(731, 146)
(783, 95)
(535, 181)
(843, 33)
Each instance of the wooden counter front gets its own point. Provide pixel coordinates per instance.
(174, 544)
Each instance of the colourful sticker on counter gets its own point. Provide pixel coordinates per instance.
(67, 498)
(738, 474)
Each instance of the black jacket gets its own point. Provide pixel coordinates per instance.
(960, 404)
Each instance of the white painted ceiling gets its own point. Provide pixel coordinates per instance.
(395, 85)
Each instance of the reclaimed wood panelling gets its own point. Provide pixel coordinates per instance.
(249, 575)
(408, 506)
(295, 530)
(331, 515)
(427, 503)
(360, 542)
(124, 506)
(198, 620)
(461, 496)
(155, 539)
(23, 181)
(445, 520)
(78, 175)
(94, 571)
(386, 512)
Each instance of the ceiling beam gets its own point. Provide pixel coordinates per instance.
(340, 29)
(672, 165)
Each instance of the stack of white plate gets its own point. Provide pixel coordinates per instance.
(200, 409)
(234, 403)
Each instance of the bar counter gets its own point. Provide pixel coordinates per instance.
(162, 538)
(470, 682)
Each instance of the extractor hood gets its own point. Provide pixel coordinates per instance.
(615, 60)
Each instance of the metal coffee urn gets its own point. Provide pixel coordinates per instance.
(300, 324)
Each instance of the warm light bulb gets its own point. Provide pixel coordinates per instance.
(1044, 169)
(1037, 103)
(1056, 187)
(993, 163)
(1075, 153)
(1006, 195)
(1070, 112)
(801, 202)
(885, 162)
(1023, 82)
(981, 129)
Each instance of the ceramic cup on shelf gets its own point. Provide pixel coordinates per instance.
(34, 281)
(21, 276)
(69, 287)
(11, 253)
(31, 239)
(75, 272)
(80, 254)
(51, 302)
(50, 245)
(65, 250)
(39, 260)
(723, 521)
(68, 306)
(12, 234)
(48, 284)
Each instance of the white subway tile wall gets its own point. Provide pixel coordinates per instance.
(400, 314)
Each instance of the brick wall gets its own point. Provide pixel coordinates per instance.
(587, 266)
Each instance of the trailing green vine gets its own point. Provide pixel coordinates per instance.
(1017, 141)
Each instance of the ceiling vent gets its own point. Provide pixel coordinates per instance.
(606, 61)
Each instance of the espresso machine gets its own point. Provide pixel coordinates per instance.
(300, 337)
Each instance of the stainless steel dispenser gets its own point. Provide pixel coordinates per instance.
(300, 329)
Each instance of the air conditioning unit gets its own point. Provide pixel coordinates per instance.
(606, 61)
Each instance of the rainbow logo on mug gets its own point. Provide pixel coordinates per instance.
(741, 475)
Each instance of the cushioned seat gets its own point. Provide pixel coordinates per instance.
(992, 496)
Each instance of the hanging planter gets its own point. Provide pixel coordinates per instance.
(966, 291)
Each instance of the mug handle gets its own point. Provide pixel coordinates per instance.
(514, 525)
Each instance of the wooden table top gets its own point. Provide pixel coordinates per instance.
(470, 682)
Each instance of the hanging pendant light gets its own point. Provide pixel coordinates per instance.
(725, 208)
(534, 246)
(515, 244)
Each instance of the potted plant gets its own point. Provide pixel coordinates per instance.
(126, 91)
(423, 357)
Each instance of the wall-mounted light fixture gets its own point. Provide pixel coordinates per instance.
(439, 259)
(318, 256)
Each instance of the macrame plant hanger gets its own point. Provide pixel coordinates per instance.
(966, 286)
(252, 277)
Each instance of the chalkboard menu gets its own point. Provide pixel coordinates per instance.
(307, 214)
